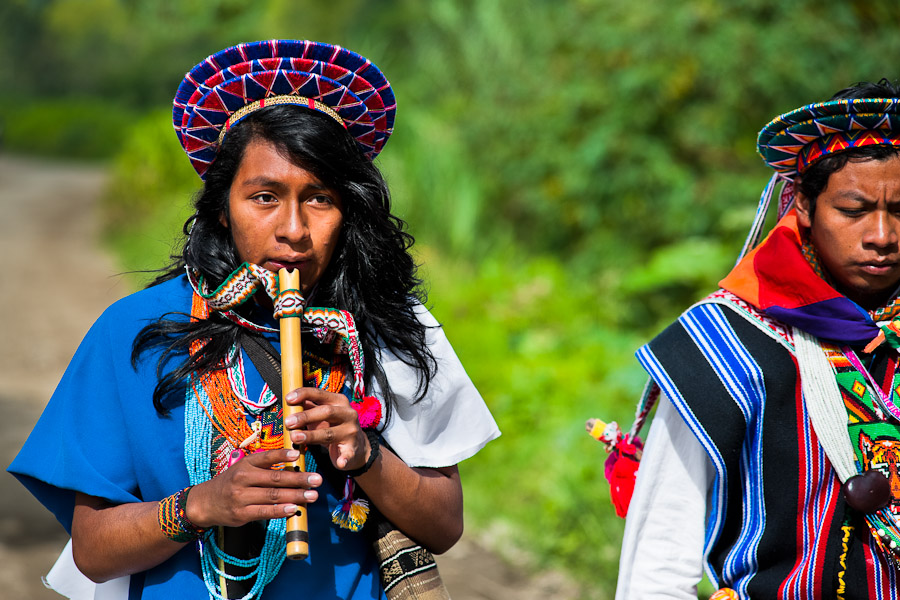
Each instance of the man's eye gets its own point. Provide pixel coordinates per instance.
(321, 199)
(264, 198)
(851, 212)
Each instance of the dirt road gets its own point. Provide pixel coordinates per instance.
(56, 281)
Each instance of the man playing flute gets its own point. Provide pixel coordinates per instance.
(161, 449)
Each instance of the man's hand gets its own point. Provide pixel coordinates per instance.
(251, 490)
(329, 420)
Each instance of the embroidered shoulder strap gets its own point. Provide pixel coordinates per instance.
(329, 325)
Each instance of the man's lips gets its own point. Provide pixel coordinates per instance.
(286, 264)
(877, 267)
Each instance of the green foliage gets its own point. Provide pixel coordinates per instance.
(136, 51)
(608, 132)
(576, 173)
(540, 346)
(148, 200)
(71, 128)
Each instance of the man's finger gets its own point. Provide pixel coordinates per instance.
(270, 458)
(330, 413)
(315, 396)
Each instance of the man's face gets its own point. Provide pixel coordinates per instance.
(855, 229)
(281, 215)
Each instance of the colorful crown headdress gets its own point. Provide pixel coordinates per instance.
(795, 140)
(792, 142)
(231, 84)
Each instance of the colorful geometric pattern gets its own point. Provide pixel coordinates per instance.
(794, 140)
(327, 324)
(210, 441)
(838, 142)
(174, 522)
(318, 372)
(239, 287)
(875, 436)
(233, 78)
(288, 304)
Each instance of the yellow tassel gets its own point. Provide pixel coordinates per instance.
(597, 429)
(352, 518)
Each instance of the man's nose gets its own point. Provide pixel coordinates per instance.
(883, 231)
(292, 226)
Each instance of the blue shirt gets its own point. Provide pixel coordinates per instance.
(100, 435)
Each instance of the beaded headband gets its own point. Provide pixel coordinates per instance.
(795, 140)
(231, 84)
(239, 114)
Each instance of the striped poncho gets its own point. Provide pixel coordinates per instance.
(778, 526)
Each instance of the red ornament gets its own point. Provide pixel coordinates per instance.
(621, 472)
(369, 411)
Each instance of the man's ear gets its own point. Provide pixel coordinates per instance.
(223, 220)
(803, 205)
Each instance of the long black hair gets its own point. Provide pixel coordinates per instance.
(371, 274)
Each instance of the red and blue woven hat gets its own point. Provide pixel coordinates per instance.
(795, 140)
(231, 84)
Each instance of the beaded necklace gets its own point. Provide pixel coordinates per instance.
(216, 416)
(199, 438)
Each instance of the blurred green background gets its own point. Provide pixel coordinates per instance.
(575, 173)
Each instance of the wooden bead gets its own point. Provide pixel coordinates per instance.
(867, 492)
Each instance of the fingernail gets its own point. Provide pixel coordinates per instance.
(310, 495)
(298, 437)
(315, 479)
(290, 420)
(293, 454)
(292, 395)
(290, 509)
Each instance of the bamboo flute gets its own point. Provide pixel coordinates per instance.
(297, 534)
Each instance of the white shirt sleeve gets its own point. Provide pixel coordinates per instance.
(451, 423)
(662, 550)
(65, 579)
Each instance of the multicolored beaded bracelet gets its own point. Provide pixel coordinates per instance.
(174, 522)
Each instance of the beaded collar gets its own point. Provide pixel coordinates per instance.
(217, 434)
(329, 325)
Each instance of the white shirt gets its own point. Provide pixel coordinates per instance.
(451, 423)
(662, 550)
